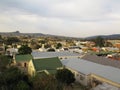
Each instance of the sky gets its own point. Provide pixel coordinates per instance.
(74, 18)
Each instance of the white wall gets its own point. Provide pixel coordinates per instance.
(81, 78)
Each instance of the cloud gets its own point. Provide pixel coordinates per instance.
(62, 17)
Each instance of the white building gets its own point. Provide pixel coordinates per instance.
(11, 51)
(89, 73)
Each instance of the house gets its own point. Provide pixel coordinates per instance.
(47, 65)
(75, 49)
(115, 56)
(48, 62)
(22, 61)
(32, 66)
(90, 73)
(11, 51)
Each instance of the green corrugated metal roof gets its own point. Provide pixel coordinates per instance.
(49, 64)
(26, 57)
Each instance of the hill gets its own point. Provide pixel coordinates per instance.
(17, 33)
(111, 37)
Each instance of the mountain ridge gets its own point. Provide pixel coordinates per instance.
(18, 33)
(112, 36)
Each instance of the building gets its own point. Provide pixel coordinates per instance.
(62, 54)
(11, 51)
(101, 60)
(47, 65)
(22, 61)
(48, 62)
(32, 66)
(89, 73)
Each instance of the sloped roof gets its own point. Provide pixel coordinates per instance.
(38, 55)
(87, 67)
(26, 57)
(49, 64)
(102, 60)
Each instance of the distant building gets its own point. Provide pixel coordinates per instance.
(102, 60)
(11, 51)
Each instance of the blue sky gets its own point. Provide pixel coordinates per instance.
(77, 18)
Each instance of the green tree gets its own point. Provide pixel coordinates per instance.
(35, 46)
(11, 40)
(51, 50)
(108, 44)
(47, 46)
(24, 49)
(4, 62)
(46, 82)
(59, 45)
(42, 41)
(22, 85)
(65, 76)
(12, 79)
(99, 41)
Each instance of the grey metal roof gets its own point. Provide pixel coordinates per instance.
(87, 67)
(37, 54)
(102, 60)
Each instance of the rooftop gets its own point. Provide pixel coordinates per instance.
(26, 57)
(49, 64)
(102, 60)
(87, 67)
(38, 55)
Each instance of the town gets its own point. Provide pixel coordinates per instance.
(29, 62)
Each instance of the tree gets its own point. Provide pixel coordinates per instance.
(65, 76)
(0, 37)
(42, 42)
(99, 41)
(4, 62)
(13, 78)
(35, 46)
(24, 49)
(22, 85)
(51, 50)
(108, 44)
(47, 46)
(59, 45)
(45, 82)
(11, 40)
